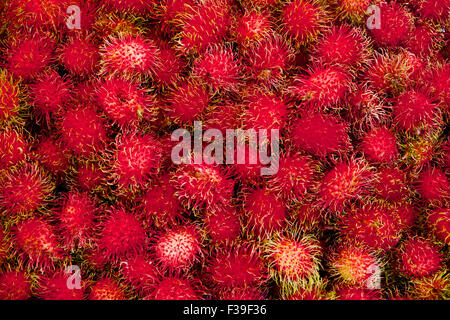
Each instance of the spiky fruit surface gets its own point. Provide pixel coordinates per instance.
(391, 184)
(80, 56)
(419, 258)
(433, 9)
(170, 68)
(13, 148)
(178, 249)
(140, 272)
(434, 287)
(106, 289)
(380, 145)
(121, 235)
(10, 94)
(439, 221)
(15, 285)
(353, 10)
(56, 287)
(247, 293)
(89, 176)
(52, 156)
(222, 224)
(251, 27)
(321, 134)
(434, 185)
(423, 41)
(174, 288)
(132, 6)
(355, 293)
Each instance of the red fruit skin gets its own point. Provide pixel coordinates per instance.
(13, 148)
(106, 289)
(171, 67)
(37, 243)
(223, 116)
(11, 96)
(434, 9)
(80, 57)
(423, 41)
(396, 25)
(174, 288)
(15, 285)
(136, 159)
(121, 235)
(76, 219)
(51, 156)
(89, 176)
(321, 134)
(236, 267)
(251, 27)
(380, 145)
(178, 249)
(433, 185)
(55, 287)
(419, 258)
(139, 7)
(169, 11)
(391, 184)
(82, 131)
(222, 225)
(265, 213)
(439, 222)
(50, 93)
(141, 273)
(247, 293)
(355, 11)
(355, 293)
(4, 245)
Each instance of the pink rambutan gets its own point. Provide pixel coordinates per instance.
(434, 9)
(391, 184)
(11, 97)
(265, 213)
(353, 10)
(438, 82)
(178, 249)
(89, 176)
(56, 287)
(308, 216)
(223, 116)
(174, 288)
(80, 56)
(106, 289)
(15, 285)
(139, 7)
(356, 293)
(137, 157)
(406, 215)
(239, 293)
(140, 272)
(51, 156)
(419, 258)
(423, 41)
(13, 148)
(222, 224)
(171, 66)
(321, 134)
(129, 57)
(380, 145)
(251, 27)
(439, 222)
(121, 235)
(433, 185)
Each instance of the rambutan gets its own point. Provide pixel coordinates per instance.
(140, 272)
(321, 134)
(423, 41)
(356, 293)
(380, 145)
(51, 156)
(80, 56)
(223, 116)
(121, 235)
(56, 287)
(391, 184)
(308, 216)
(434, 9)
(419, 149)
(419, 258)
(239, 293)
(434, 287)
(353, 10)
(140, 7)
(13, 148)
(15, 285)
(174, 288)
(171, 66)
(310, 292)
(439, 222)
(433, 185)
(222, 224)
(169, 12)
(251, 27)
(11, 97)
(106, 289)
(89, 176)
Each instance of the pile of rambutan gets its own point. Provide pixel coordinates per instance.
(93, 205)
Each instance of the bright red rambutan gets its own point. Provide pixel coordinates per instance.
(13, 148)
(438, 82)
(321, 134)
(80, 56)
(123, 101)
(414, 110)
(433, 185)
(106, 289)
(4, 245)
(222, 224)
(391, 184)
(140, 272)
(251, 27)
(308, 216)
(439, 222)
(322, 87)
(178, 249)
(82, 131)
(406, 215)
(423, 41)
(129, 57)
(37, 242)
(311, 292)
(236, 267)
(226, 115)
(356, 293)
(169, 11)
(121, 235)
(419, 258)
(303, 20)
(174, 288)
(265, 213)
(89, 176)
(76, 219)
(11, 97)
(375, 226)
(218, 68)
(171, 66)
(239, 293)
(258, 3)
(396, 25)
(56, 287)
(137, 157)
(380, 145)
(51, 156)
(24, 190)
(434, 287)
(15, 285)
(27, 58)
(140, 7)
(434, 9)
(353, 10)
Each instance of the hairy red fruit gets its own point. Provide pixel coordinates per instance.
(218, 68)
(434, 287)
(353, 10)
(106, 289)
(140, 273)
(171, 66)
(139, 7)
(322, 87)
(169, 12)
(434, 9)
(439, 222)
(391, 184)
(4, 245)
(56, 287)
(303, 20)
(174, 288)
(265, 213)
(37, 242)
(82, 131)
(238, 293)
(187, 102)
(251, 27)
(308, 293)
(236, 267)
(375, 226)
(89, 176)
(76, 219)
(129, 57)
(355, 293)
(13, 148)
(51, 156)
(222, 224)
(80, 56)
(24, 190)
(380, 145)
(15, 285)
(121, 235)
(178, 249)
(11, 96)
(406, 215)
(223, 116)
(321, 134)
(396, 25)
(423, 41)
(419, 258)
(136, 159)
(434, 185)
(414, 110)
(308, 216)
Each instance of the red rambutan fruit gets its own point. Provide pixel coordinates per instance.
(13, 148)
(380, 145)
(80, 56)
(321, 134)
(251, 27)
(106, 289)
(407, 215)
(56, 287)
(15, 285)
(434, 287)
(129, 57)
(311, 292)
(11, 97)
(174, 288)
(433, 185)
(356, 293)
(121, 235)
(223, 116)
(178, 249)
(89, 176)
(170, 11)
(439, 222)
(222, 224)
(238, 293)
(419, 258)
(171, 66)
(308, 216)
(140, 272)
(436, 10)
(51, 156)
(391, 184)
(139, 7)
(353, 10)
(423, 41)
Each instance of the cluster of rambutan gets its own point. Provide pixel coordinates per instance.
(93, 207)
